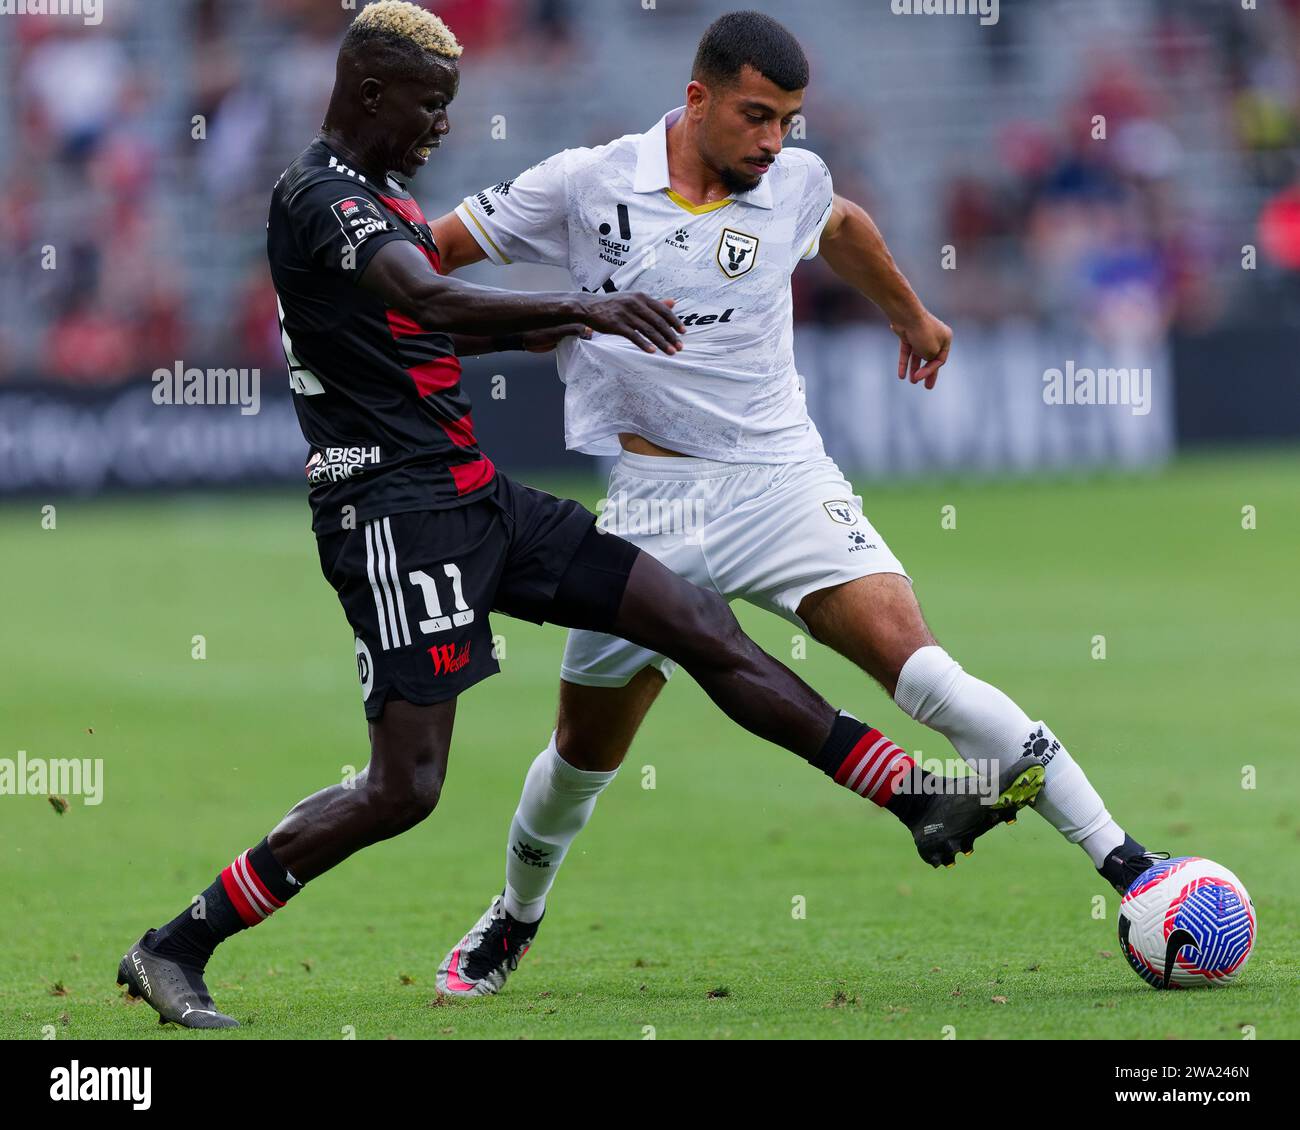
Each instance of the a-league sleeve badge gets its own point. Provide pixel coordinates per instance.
(359, 218)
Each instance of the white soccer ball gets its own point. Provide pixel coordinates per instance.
(1185, 923)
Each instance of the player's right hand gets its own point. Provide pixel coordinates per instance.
(646, 322)
(924, 339)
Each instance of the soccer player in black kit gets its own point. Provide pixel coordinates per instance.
(419, 533)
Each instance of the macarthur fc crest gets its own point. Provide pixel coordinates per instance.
(736, 253)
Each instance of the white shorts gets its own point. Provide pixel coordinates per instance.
(766, 533)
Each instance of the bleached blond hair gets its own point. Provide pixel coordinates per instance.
(402, 20)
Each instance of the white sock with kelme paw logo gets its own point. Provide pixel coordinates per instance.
(557, 801)
(985, 726)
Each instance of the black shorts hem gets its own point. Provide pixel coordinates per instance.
(376, 703)
(591, 590)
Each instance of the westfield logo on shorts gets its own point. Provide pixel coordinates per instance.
(449, 657)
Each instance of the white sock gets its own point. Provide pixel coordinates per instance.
(991, 731)
(555, 806)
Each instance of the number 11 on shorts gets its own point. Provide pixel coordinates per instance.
(436, 621)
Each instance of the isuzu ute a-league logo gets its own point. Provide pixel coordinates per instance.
(736, 253)
(615, 250)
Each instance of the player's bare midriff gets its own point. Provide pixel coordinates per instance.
(639, 445)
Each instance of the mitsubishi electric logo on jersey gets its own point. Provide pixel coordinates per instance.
(333, 464)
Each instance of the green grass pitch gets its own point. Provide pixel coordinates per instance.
(674, 915)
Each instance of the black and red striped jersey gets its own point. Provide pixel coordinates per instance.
(379, 399)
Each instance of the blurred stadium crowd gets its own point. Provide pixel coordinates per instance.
(143, 151)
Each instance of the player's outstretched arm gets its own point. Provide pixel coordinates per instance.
(534, 341)
(855, 250)
(400, 274)
(456, 247)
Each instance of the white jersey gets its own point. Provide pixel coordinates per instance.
(609, 216)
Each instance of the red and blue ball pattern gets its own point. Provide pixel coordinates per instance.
(1204, 903)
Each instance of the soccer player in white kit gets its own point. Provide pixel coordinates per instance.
(721, 474)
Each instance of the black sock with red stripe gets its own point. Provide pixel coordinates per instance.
(250, 890)
(862, 759)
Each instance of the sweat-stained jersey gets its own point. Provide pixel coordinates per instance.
(378, 398)
(609, 216)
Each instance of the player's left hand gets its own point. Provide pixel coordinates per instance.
(543, 341)
(923, 340)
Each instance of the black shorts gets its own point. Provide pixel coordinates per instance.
(417, 586)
